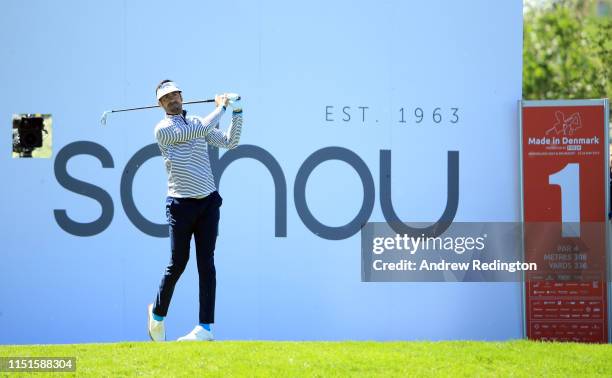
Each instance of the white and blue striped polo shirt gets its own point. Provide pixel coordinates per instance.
(183, 144)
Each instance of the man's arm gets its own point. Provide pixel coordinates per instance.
(229, 139)
(171, 134)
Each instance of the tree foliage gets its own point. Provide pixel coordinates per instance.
(567, 51)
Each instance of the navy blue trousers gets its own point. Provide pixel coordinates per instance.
(200, 218)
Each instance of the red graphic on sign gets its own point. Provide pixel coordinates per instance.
(565, 126)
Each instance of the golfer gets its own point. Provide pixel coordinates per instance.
(192, 205)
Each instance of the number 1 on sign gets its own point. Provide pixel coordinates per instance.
(568, 179)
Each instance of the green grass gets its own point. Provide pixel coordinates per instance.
(265, 359)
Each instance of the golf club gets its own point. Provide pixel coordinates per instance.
(231, 96)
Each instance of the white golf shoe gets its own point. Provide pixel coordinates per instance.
(157, 330)
(199, 333)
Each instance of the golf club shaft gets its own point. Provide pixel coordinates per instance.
(157, 106)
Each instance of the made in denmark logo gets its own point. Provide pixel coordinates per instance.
(564, 134)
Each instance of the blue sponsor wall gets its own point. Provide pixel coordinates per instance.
(418, 79)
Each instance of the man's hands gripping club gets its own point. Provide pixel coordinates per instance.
(228, 99)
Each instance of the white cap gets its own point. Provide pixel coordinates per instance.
(167, 87)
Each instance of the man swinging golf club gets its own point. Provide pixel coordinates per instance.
(192, 205)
